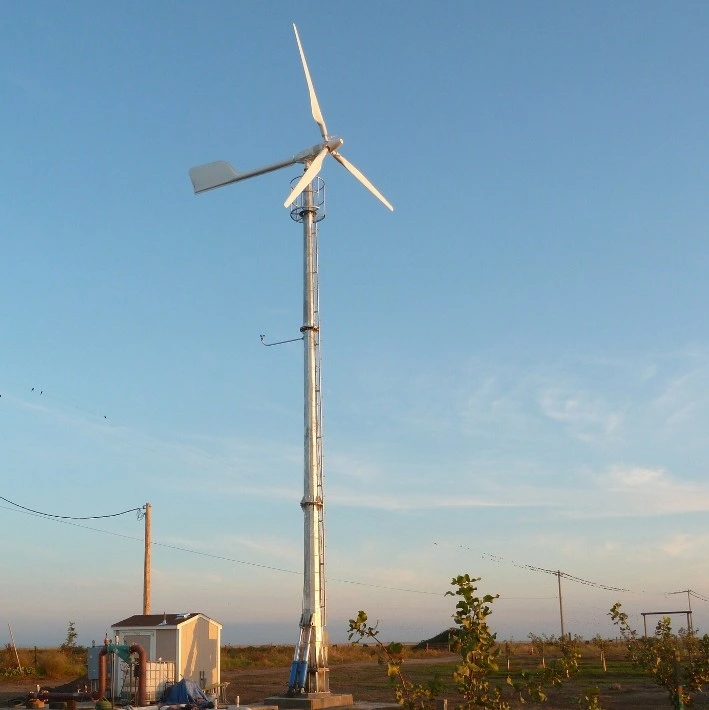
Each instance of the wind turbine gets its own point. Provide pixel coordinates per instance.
(219, 173)
(309, 676)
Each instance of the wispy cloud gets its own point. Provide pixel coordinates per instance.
(683, 401)
(246, 467)
(632, 491)
(648, 491)
(416, 501)
(685, 546)
(557, 437)
(586, 416)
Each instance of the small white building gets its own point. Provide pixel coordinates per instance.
(191, 641)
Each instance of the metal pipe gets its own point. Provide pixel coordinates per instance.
(52, 696)
(133, 648)
(142, 694)
(102, 670)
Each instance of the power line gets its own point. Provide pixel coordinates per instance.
(70, 517)
(556, 573)
(202, 454)
(689, 593)
(65, 520)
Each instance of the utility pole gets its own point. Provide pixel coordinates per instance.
(561, 608)
(146, 560)
(688, 592)
(689, 616)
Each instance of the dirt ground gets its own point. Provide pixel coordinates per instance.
(366, 682)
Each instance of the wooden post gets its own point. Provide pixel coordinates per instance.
(17, 655)
(678, 683)
(146, 563)
(561, 608)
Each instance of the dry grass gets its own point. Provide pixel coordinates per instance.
(57, 664)
(41, 663)
(235, 657)
(257, 672)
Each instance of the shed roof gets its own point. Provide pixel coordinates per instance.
(143, 621)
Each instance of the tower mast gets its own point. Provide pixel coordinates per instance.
(309, 672)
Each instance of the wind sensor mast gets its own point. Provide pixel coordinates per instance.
(309, 671)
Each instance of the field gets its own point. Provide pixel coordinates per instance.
(254, 673)
(622, 686)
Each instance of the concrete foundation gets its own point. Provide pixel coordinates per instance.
(311, 701)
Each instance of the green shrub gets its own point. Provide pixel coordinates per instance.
(57, 664)
(8, 662)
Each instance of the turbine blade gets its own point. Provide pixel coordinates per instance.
(346, 163)
(308, 176)
(314, 105)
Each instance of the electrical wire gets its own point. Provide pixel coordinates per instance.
(689, 593)
(556, 573)
(71, 517)
(140, 511)
(65, 520)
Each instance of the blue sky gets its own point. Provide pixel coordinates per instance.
(515, 362)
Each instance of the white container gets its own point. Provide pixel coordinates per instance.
(159, 675)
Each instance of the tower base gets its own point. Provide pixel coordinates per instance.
(311, 701)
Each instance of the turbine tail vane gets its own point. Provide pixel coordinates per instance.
(207, 177)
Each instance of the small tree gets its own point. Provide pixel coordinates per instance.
(414, 696)
(537, 643)
(602, 645)
(69, 646)
(479, 651)
(471, 638)
(659, 656)
(570, 654)
(477, 646)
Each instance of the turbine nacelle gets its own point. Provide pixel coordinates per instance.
(305, 156)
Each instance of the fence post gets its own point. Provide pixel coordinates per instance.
(680, 689)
